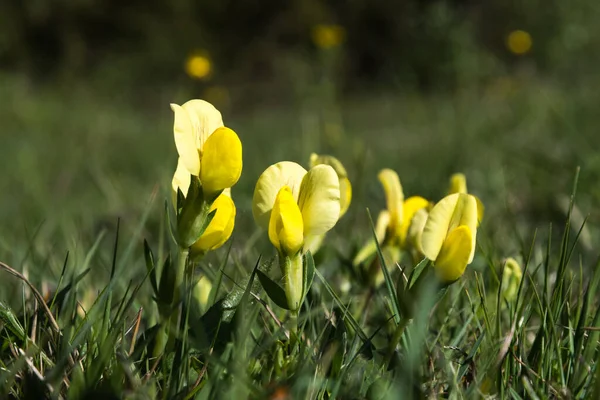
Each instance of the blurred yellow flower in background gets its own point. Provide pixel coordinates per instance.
(198, 66)
(519, 42)
(326, 36)
(448, 238)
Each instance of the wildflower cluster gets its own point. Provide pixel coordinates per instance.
(297, 207)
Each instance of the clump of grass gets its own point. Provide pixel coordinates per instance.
(464, 341)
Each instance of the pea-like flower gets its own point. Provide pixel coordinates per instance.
(449, 235)
(220, 228)
(210, 162)
(206, 148)
(511, 279)
(294, 206)
(393, 223)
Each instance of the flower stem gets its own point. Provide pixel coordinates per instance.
(396, 338)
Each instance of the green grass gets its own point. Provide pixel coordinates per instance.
(85, 178)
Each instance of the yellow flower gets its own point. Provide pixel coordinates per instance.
(220, 228)
(198, 66)
(295, 206)
(345, 185)
(448, 238)
(316, 196)
(202, 292)
(458, 184)
(206, 148)
(326, 36)
(519, 42)
(511, 279)
(393, 225)
(400, 212)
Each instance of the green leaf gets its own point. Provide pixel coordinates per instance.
(12, 323)
(416, 272)
(149, 258)
(273, 290)
(167, 281)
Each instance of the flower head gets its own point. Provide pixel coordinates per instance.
(295, 205)
(511, 279)
(448, 238)
(519, 42)
(220, 228)
(399, 212)
(206, 148)
(328, 36)
(198, 66)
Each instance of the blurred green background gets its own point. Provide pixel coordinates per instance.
(504, 91)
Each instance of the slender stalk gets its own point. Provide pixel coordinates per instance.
(396, 339)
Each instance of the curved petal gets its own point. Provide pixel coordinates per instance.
(181, 179)
(202, 292)
(313, 243)
(205, 119)
(409, 208)
(466, 214)
(333, 162)
(221, 226)
(319, 200)
(221, 163)
(451, 212)
(394, 198)
(286, 226)
(480, 210)
(458, 183)
(454, 255)
(345, 195)
(285, 173)
(436, 227)
(383, 220)
(185, 140)
(345, 185)
(415, 230)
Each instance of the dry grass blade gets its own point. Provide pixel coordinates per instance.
(37, 294)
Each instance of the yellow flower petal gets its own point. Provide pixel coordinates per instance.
(333, 162)
(202, 292)
(319, 200)
(221, 226)
(286, 226)
(285, 173)
(458, 184)
(452, 211)
(394, 198)
(181, 179)
(205, 119)
(383, 220)
(409, 208)
(415, 230)
(480, 210)
(185, 140)
(313, 243)
(221, 163)
(345, 195)
(345, 185)
(454, 255)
